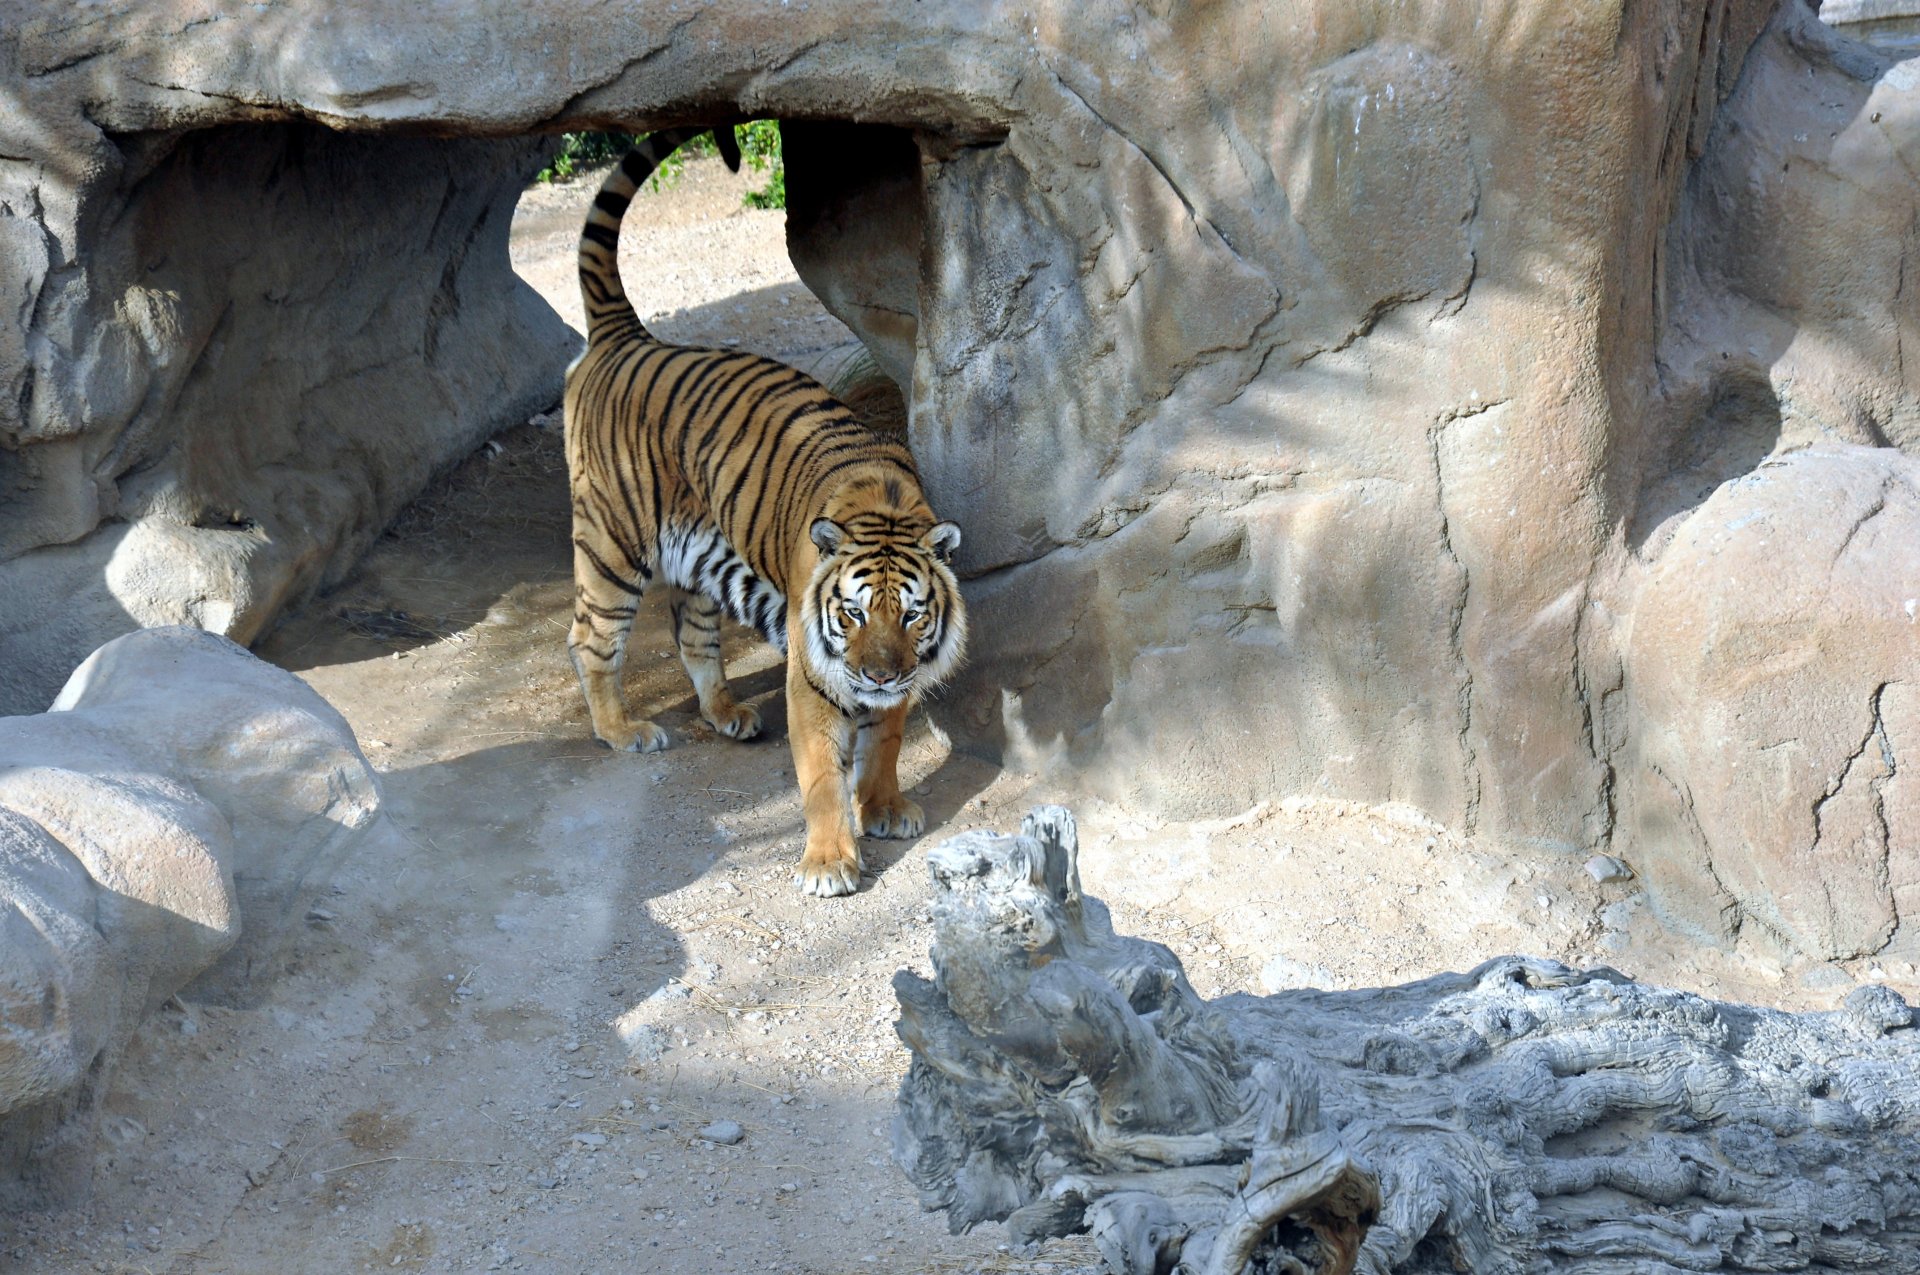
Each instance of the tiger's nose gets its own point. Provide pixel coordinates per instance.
(879, 676)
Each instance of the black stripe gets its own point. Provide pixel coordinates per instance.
(612, 203)
(822, 691)
(606, 237)
(700, 378)
(727, 375)
(738, 387)
(720, 401)
(776, 434)
(673, 390)
(607, 572)
(638, 164)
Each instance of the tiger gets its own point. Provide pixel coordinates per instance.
(749, 491)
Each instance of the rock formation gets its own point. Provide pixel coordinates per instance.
(1520, 1117)
(1345, 397)
(157, 828)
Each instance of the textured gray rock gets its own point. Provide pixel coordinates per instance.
(1322, 391)
(1783, 625)
(1519, 1117)
(246, 350)
(156, 830)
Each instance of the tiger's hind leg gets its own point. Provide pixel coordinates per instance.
(880, 808)
(606, 596)
(696, 631)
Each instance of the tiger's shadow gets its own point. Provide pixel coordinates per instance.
(943, 793)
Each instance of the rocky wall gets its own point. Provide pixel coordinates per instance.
(1340, 398)
(237, 352)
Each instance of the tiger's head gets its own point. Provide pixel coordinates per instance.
(882, 612)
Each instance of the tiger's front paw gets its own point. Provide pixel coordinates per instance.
(736, 721)
(639, 737)
(829, 870)
(893, 817)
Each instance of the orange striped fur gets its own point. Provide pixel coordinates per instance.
(746, 489)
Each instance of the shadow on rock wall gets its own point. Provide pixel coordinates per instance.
(247, 372)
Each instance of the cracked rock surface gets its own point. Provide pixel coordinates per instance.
(1330, 396)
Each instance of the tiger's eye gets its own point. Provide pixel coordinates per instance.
(854, 614)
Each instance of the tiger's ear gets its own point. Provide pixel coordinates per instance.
(943, 540)
(828, 535)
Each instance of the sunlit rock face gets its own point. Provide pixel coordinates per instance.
(1323, 388)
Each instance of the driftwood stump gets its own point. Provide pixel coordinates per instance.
(1523, 1116)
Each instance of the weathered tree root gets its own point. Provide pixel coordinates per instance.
(1520, 1117)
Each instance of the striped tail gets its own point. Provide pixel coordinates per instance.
(606, 301)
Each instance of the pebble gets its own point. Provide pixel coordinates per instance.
(592, 1141)
(1607, 870)
(723, 1133)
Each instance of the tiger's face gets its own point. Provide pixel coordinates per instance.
(883, 615)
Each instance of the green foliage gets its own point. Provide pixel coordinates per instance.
(581, 151)
(759, 150)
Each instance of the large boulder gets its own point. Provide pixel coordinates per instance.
(157, 829)
(1320, 387)
(1774, 705)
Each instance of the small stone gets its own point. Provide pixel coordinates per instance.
(1608, 870)
(723, 1133)
(591, 1141)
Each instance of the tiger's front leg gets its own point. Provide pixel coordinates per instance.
(822, 740)
(882, 810)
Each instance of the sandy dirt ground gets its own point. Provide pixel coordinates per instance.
(505, 1027)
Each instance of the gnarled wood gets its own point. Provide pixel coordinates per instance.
(1520, 1117)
